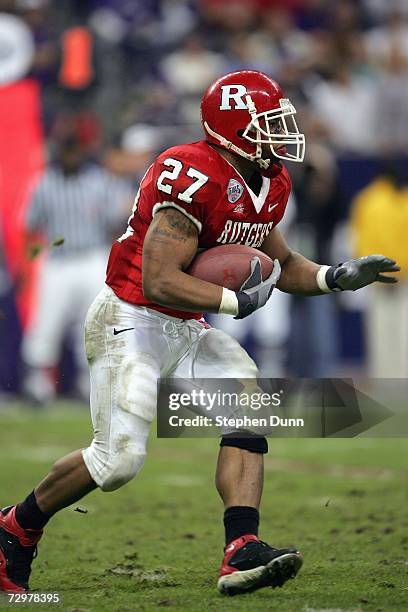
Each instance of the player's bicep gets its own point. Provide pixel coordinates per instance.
(170, 243)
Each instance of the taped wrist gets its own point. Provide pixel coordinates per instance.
(229, 302)
(325, 279)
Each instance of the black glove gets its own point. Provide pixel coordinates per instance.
(255, 292)
(358, 273)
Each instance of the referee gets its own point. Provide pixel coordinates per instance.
(83, 204)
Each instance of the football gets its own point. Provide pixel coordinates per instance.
(228, 265)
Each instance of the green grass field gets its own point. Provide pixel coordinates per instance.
(157, 543)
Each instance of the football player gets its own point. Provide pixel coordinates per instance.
(147, 322)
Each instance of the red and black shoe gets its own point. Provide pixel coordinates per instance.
(250, 564)
(18, 547)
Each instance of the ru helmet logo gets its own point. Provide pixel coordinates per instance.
(234, 191)
(234, 93)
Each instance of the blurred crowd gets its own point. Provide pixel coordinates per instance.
(122, 80)
(344, 63)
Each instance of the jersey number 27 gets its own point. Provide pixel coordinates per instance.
(164, 182)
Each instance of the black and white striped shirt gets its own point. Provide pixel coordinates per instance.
(83, 208)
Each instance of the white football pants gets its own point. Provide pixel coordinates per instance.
(125, 367)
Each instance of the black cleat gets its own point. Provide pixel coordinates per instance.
(250, 564)
(18, 547)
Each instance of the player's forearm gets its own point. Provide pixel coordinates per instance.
(298, 275)
(304, 277)
(185, 292)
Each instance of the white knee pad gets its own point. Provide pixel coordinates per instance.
(112, 468)
(122, 468)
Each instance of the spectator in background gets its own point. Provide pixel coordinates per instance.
(392, 107)
(222, 18)
(379, 223)
(65, 58)
(177, 19)
(134, 27)
(279, 44)
(387, 48)
(189, 70)
(79, 206)
(156, 104)
(382, 41)
(139, 146)
(241, 55)
(346, 105)
(378, 10)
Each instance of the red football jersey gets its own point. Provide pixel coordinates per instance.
(196, 180)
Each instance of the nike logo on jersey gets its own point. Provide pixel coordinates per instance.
(120, 331)
(272, 207)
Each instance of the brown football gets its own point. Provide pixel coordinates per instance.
(228, 265)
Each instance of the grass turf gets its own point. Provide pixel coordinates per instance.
(157, 542)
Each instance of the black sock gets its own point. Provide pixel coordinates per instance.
(29, 515)
(240, 520)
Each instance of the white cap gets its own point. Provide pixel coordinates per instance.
(140, 137)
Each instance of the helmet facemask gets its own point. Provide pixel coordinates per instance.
(261, 130)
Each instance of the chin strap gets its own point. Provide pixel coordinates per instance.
(258, 154)
(263, 163)
(227, 144)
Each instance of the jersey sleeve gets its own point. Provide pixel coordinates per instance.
(182, 180)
